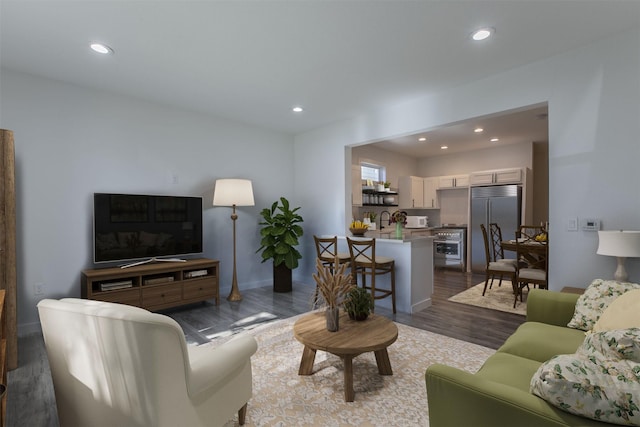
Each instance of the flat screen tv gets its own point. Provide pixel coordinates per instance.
(128, 227)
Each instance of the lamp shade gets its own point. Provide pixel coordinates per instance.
(233, 192)
(620, 243)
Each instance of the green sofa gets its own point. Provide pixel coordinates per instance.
(498, 394)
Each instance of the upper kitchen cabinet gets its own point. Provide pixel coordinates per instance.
(500, 176)
(356, 185)
(453, 181)
(411, 192)
(431, 192)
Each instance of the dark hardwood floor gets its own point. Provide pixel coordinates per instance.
(31, 402)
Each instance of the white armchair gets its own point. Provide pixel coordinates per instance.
(118, 365)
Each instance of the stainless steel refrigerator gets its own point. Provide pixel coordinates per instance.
(501, 204)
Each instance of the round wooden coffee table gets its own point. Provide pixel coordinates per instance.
(353, 338)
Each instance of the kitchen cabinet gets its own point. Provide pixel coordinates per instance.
(430, 186)
(453, 181)
(418, 232)
(411, 192)
(356, 185)
(501, 176)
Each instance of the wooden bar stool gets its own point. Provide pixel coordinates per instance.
(327, 253)
(365, 262)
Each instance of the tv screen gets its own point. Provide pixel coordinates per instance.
(133, 226)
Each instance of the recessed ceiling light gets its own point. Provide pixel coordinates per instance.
(422, 139)
(482, 34)
(478, 130)
(297, 109)
(444, 147)
(494, 140)
(101, 48)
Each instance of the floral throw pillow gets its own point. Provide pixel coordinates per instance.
(595, 299)
(600, 381)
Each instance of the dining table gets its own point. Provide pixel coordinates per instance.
(530, 250)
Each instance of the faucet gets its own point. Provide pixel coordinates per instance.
(388, 218)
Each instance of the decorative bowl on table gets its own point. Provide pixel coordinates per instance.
(358, 231)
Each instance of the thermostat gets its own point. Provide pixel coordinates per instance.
(590, 224)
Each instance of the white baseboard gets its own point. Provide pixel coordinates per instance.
(426, 303)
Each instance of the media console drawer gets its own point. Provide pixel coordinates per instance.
(161, 295)
(129, 297)
(154, 286)
(205, 288)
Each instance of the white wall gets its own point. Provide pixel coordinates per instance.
(71, 142)
(499, 157)
(593, 95)
(396, 165)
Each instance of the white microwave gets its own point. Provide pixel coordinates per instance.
(417, 221)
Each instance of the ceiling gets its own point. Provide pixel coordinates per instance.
(514, 127)
(251, 61)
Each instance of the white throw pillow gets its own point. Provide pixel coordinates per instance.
(600, 381)
(622, 313)
(595, 299)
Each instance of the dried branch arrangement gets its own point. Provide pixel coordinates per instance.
(332, 286)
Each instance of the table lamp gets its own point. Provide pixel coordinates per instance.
(233, 192)
(621, 244)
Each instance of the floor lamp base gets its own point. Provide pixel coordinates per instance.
(234, 295)
(235, 291)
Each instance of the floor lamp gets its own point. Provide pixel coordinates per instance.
(233, 192)
(620, 244)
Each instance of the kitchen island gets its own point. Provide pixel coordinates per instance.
(414, 270)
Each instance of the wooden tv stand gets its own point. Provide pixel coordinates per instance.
(155, 286)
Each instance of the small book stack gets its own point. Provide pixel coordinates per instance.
(111, 286)
(195, 273)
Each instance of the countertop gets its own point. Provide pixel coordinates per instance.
(391, 235)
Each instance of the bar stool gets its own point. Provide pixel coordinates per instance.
(327, 250)
(327, 253)
(365, 262)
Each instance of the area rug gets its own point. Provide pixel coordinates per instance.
(497, 298)
(283, 398)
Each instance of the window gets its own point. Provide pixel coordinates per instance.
(373, 172)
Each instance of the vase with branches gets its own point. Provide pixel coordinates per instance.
(333, 285)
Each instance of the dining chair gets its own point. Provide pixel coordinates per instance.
(327, 253)
(365, 262)
(496, 268)
(496, 244)
(536, 272)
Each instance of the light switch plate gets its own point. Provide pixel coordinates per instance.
(572, 224)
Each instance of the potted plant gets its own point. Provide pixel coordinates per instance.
(280, 234)
(332, 284)
(358, 303)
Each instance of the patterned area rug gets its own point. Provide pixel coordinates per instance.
(497, 298)
(283, 398)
